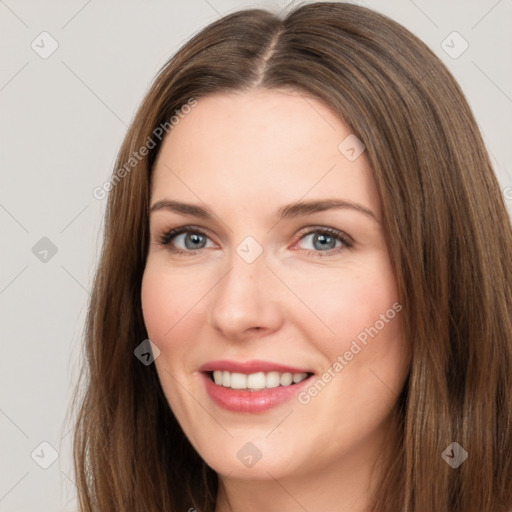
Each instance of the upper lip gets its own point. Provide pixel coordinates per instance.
(249, 367)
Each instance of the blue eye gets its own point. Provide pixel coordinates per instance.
(193, 239)
(324, 240)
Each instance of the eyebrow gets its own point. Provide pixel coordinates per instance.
(299, 209)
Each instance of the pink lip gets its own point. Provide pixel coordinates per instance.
(237, 400)
(248, 367)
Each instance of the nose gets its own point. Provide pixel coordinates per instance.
(245, 301)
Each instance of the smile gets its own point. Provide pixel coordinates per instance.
(254, 386)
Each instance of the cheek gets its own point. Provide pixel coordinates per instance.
(168, 310)
(169, 300)
(155, 302)
(357, 316)
(346, 303)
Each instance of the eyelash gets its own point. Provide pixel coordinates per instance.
(167, 236)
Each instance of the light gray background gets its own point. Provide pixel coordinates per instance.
(63, 120)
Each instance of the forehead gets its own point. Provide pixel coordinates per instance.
(241, 148)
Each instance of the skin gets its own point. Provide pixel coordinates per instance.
(301, 303)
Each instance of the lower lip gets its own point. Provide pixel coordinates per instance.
(237, 400)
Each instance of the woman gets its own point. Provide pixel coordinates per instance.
(305, 223)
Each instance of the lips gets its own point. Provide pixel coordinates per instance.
(249, 367)
(271, 384)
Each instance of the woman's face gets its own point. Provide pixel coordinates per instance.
(281, 272)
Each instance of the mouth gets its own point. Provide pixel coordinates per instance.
(254, 386)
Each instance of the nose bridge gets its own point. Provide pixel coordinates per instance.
(244, 297)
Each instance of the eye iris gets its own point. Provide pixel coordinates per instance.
(195, 238)
(325, 241)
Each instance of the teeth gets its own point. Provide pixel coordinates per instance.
(297, 377)
(256, 381)
(272, 380)
(238, 381)
(286, 379)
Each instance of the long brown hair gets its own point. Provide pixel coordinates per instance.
(448, 234)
